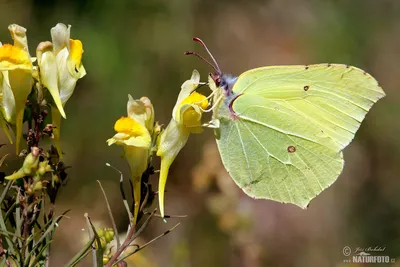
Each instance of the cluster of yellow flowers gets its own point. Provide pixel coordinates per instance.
(59, 66)
(141, 136)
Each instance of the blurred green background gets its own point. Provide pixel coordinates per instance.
(136, 47)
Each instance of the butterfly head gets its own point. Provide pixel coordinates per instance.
(224, 81)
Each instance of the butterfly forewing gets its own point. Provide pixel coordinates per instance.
(335, 97)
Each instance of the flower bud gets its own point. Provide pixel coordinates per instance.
(109, 234)
(29, 166)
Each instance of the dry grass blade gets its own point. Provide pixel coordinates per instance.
(148, 243)
(132, 235)
(121, 187)
(91, 236)
(49, 229)
(81, 254)
(2, 222)
(3, 159)
(116, 235)
(98, 253)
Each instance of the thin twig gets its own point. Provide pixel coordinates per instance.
(99, 249)
(91, 236)
(116, 235)
(167, 216)
(131, 236)
(81, 254)
(25, 229)
(4, 193)
(121, 187)
(49, 229)
(146, 198)
(38, 256)
(148, 243)
(3, 159)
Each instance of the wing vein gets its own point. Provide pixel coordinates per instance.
(244, 152)
(268, 155)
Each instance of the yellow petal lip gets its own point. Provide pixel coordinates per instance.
(197, 99)
(191, 118)
(127, 125)
(143, 141)
(76, 51)
(12, 57)
(190, 109)
(130, 133)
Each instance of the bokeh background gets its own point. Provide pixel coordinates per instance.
(136, 47)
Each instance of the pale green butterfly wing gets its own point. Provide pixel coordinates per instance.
(291, 122)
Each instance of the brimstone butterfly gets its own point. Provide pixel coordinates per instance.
(282, 129)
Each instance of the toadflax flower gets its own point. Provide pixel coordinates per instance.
(186, 119)
(61, 61)
(134, 134)
(15, 80)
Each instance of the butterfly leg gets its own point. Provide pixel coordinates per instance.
(214, 124)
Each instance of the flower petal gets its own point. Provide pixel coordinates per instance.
(21, 84)
(142, 111)
(137, 158)
(126, 140)
(74, 59)
(18, 34)
(186, 89)
(60, 35)
(4, 127)
(67, 80)
(171, 141)
(7, 103)
(48, 72)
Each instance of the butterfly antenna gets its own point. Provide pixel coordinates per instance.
(209, 53)
(202, 58)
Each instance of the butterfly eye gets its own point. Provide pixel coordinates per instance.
(218, 81)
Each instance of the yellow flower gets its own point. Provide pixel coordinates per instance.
(186, 119)
(67, 57)
(68, 54)
(15, 80)
(134, 134)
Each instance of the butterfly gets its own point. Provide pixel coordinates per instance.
(282, 129)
